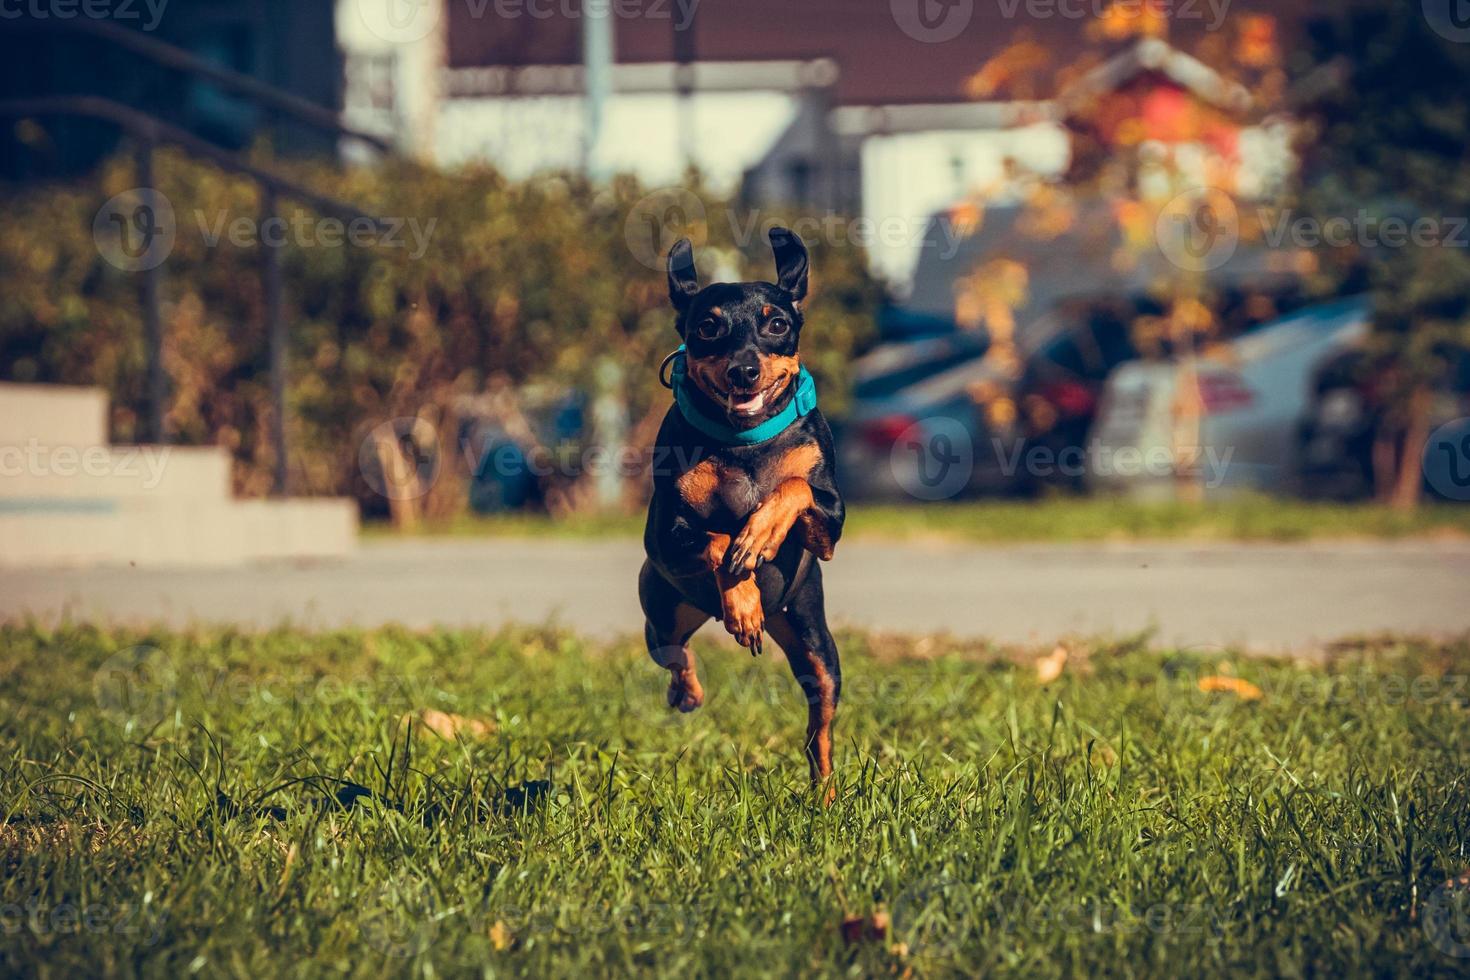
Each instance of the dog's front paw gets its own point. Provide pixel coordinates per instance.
(759, 541)
(685, 692)
(742, 614)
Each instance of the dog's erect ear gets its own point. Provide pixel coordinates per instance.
(791, 262)
(683, 280)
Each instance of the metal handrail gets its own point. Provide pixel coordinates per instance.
(150, 131)
(153, 130)
(170, 56)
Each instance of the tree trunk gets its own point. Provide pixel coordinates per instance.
(401, 481)
(1384, 447)
(1186, 433)
(1410, 479)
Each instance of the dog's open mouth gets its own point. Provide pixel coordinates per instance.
(742, 405)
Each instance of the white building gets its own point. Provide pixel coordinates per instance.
(772, 131)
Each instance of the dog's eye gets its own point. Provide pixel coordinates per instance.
(709, 328)
(778, 326)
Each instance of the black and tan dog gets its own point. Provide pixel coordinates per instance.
(744, 492)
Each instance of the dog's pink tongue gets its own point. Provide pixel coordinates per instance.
(750, 406)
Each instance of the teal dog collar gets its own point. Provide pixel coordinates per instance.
(802, 403)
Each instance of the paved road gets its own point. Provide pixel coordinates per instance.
(1263, 596)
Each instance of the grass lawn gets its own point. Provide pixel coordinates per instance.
(224, 803)
(1056, 519)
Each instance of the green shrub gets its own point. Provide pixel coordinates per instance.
(531, 283)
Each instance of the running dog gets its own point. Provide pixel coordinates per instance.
(746, 494)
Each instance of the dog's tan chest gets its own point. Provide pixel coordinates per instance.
(712, 484)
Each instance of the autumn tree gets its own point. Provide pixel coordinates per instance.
(1390, 142)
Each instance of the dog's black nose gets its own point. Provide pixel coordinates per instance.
(743, 376)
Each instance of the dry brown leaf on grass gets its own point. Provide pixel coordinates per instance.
(449, 726)
(1050, 667)
(1243, 689)
(500, 936)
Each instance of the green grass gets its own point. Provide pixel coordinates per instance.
(248, 804)
(1053, 519)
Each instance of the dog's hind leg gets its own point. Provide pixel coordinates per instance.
(668, 624)
(801, 630)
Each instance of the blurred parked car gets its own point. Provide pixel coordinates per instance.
(1254, 399)
(1075, 324)
(1062, 377)
(904, 390)
(914, 391)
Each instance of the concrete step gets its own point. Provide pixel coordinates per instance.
(154, 532)
(68, 498)
(52, 415)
